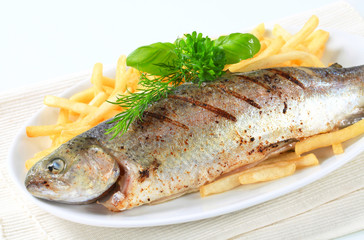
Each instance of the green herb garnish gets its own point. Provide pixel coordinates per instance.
(195, 59)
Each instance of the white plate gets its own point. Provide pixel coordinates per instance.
(343, 48)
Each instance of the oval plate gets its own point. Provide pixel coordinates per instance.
(343, 48)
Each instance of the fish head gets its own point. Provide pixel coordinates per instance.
(77, 172)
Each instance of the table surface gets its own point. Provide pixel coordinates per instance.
(42, 40)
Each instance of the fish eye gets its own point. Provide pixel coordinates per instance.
(56, 165)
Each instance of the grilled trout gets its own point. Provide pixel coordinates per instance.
(199, 134)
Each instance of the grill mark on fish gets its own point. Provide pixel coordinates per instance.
(238, 95)
(288, 77)
(254, 80)
(143, 175)
(166, 119)
(285, 107)
(206, 106)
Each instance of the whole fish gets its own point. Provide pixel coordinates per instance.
(198, 134)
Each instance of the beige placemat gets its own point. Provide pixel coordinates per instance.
(328, 208)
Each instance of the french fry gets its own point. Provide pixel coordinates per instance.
(306, 30)
(120, 78)
(77, 107)
(96, 78)
(54, 138)
(337, 148)
(109, 82)
(280, 158)
(318, 41)
(45, 130)
(278, 30)
(305, 161)
(63, 116)
(221, 185)
(291, 157)
(108, 90)
(267, 172)
(327, 139)
(258, 32)
(273, 48)
(84, 96)
(277, 59)
(74, 131)
(98, 115)
(133, 79)
(110, 114)
(98, 99)
(31, 161)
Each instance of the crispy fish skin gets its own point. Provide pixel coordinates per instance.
(198, 134)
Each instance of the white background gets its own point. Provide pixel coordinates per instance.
(41, 40)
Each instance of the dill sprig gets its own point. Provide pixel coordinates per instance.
(195, 59)
(136, 103)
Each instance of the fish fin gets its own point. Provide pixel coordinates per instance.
(335, 65)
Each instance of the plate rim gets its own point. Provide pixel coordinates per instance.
(160, 222)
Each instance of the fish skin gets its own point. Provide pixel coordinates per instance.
(198, 134)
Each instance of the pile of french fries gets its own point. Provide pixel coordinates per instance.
(89, 107)
(282, 49)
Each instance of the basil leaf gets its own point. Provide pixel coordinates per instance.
(155, 59)
(238, 46)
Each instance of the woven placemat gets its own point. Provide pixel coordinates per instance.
(328, 208)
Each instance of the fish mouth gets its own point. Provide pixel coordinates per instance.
(44, 189)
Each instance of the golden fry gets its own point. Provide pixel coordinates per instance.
(77, 107)
(48, 130)
(110, 114)
(97, 116)
(84, 96)
(318, 41)
(327, 139)
(305, 161)
(109, 82)
(63, 116)
(98, 99)
(291, 157)
(267, 172)
(45, 130)
(337, 148)
(120, 78)
(75, 131)
(276, 60)
(258, 32)
(31, 161)
(280, 158)
(96, 78)
(306, 30)
(278, 30)
(222, 185)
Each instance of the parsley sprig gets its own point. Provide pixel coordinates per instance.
(194, 58)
